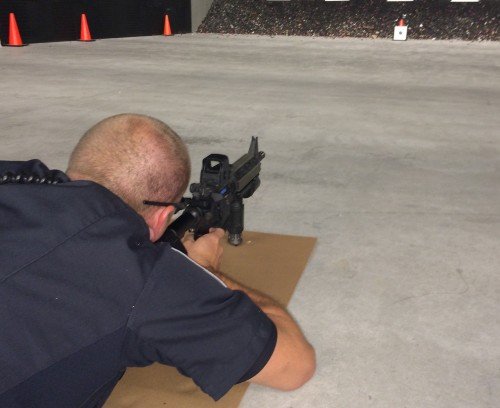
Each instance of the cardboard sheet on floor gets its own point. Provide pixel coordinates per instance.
(270, 263)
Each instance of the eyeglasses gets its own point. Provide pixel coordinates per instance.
(178, 206)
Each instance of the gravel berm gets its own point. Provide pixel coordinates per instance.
(426, 19)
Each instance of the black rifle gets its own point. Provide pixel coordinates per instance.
(217, 200)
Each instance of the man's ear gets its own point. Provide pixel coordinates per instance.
(158, 221)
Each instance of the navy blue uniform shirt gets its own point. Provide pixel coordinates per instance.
(84, 294)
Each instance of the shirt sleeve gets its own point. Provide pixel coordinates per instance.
(186, 317)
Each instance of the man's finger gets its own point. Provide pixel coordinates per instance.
(219, 232)
(188, 237)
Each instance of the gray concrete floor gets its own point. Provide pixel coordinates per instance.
(387, 152)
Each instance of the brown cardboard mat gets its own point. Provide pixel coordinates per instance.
(270, 263)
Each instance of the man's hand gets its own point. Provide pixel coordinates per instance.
(293, 361)
(206, 250)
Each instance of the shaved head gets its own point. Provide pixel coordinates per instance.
(137, 157)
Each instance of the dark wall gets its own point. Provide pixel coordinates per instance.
(426, 19)
(59, 20)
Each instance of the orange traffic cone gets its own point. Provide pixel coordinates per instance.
(166, 27)
(15, 39)
(84, 30)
